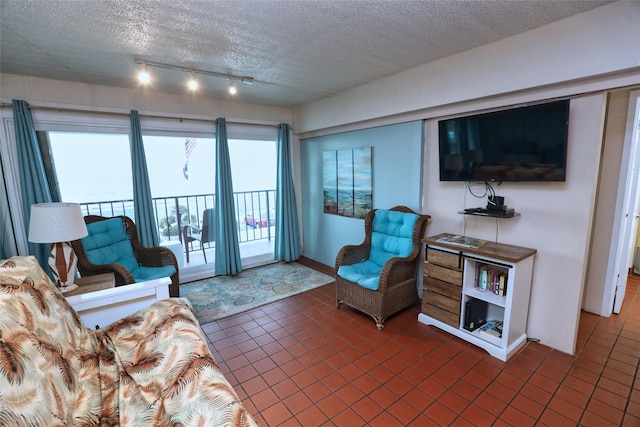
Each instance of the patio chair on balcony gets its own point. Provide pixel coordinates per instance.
(205, 234)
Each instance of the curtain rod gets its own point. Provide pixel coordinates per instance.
(118, 113)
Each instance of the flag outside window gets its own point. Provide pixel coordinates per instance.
(189, 146)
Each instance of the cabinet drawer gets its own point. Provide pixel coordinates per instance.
(443, 273)
(445, 259)
(449, 304)
(444, 316)
(444, 288)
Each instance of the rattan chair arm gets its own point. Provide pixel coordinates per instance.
(155, 257)
(352, 254)
(396, 270)
(149, 257)
(122, 275)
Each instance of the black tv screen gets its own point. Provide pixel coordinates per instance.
(520, 144)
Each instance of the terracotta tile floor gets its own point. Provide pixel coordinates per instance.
(302, 362)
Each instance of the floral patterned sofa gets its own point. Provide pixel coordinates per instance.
(152, 368)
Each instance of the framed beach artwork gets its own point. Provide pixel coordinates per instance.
(347, 182)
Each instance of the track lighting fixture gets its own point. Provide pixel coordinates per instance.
(144, 77)
(192, 84)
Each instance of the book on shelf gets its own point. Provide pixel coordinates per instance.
(491, 280)
(465, 241)
(492, 328)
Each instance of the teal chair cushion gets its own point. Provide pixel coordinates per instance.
(390, 237)
(149, 273)
(365, 274)
(108, 243)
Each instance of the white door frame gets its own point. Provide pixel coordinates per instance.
(626, 213)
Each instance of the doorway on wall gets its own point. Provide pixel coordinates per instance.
(629, 211)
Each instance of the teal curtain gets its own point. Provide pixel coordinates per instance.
(142, 202)
(287, 244)
(33, 178)
(228, 260)
(3, 225)
(7, 234)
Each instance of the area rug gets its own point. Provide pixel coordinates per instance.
(223, 296)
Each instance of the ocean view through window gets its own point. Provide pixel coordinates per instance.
(93, 168)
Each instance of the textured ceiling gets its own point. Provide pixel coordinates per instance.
(297, 51)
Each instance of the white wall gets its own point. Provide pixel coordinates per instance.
(44, 92)
(555, 219)
(595, 43)
(581, 57)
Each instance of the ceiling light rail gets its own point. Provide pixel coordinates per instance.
(192, 71)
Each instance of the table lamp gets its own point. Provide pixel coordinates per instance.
(58, 224)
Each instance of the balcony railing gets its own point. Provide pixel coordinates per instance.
(255, 213)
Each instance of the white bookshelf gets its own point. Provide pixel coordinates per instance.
(512, 308)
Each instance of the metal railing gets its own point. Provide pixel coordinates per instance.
(255, 213)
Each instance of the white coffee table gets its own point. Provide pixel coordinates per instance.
(99, 303)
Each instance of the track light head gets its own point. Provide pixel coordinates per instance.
(192, 84)
(144, 77)
(232, 89)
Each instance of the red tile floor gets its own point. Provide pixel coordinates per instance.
(302, 362)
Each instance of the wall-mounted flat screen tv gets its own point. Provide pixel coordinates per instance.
(519, 144)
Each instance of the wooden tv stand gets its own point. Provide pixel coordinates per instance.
(453, 284)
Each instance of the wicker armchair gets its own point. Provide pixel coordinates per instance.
(396, 284)
(147, 258)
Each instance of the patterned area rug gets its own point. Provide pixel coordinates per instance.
(223, 296)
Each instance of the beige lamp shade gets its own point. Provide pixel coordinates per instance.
(58, 223)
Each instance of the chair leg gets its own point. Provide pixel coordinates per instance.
(186, 249)
(203, 252)
(379, 323)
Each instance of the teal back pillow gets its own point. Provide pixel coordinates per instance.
(108, 243)
(391, 235)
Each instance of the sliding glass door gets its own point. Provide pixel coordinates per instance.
(94, 169)
(253, 170)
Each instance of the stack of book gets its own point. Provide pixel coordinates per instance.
(489, 279)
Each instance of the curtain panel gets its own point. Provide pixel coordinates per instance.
(287, 241)
(142, 201)
(7, 233)
(34, 185)
(228, 261)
